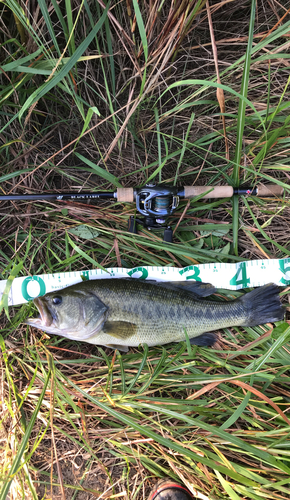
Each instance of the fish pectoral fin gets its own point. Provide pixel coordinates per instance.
(120, 329)
(123, 348)
(204, 340)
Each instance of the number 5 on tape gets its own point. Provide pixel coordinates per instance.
(284, 266)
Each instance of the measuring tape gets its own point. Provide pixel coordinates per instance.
(230, 276)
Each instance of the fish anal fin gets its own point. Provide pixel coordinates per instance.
(204, 340)
(120, 329)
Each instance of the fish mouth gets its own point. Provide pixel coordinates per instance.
(44, 319)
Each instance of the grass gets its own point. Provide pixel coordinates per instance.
(96, 96)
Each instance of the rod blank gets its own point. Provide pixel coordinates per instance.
(128, 194)
(57, 196)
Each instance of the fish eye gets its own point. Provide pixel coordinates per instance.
(57, 300)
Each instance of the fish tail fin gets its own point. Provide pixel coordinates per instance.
(263, 305)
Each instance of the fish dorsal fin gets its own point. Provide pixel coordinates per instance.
(195, 287)
(120, 329)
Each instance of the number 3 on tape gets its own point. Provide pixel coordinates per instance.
(240, 277)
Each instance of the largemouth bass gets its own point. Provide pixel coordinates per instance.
(127, 312)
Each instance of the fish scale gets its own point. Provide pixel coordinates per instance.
(167, 314)
(129, 312)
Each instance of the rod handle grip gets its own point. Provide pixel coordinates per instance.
(216, 191)
(269, 190)
(125, 194)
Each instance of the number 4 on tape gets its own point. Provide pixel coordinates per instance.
(240, 277)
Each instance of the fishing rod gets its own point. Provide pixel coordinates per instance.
(154, 202)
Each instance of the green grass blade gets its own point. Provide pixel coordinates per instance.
(144, 359)
(232, 494)
(143, 36)
(241, 124)
(83, 254)
(17, 462)
(62, 73)
(4, 298)
(100, 171)
(184, 147)
(70, 25)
